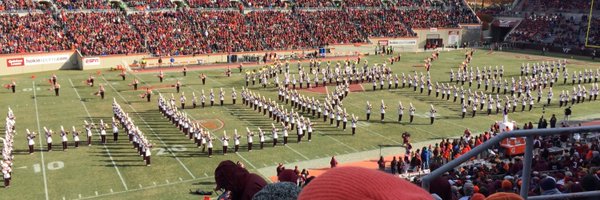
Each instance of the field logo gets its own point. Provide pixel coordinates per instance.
(15, 62)
(91, 61)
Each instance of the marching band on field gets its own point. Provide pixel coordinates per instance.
(7, 163)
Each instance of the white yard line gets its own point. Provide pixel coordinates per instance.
(104, 145)
(37, 116)
(240, 155)
(149, 187)
(151, 129)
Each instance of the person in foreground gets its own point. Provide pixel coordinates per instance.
(341, 183)
(241, 184)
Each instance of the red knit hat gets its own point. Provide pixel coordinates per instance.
(504, 196)
(343, 183)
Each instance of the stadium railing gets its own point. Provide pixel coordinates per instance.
(529, 135)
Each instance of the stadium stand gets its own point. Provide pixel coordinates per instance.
(34, 32)
(594, 32)
(324, 30)
(18, 5)
(422, 18)
(211, 4)
(169, 33)
(380, 23)
(223, 32)
(189, 31)
(102, 33)
(75, 4)
(363, 3)
(535, 28)
(313, 3)
(558, 5)
(149, 4)
(264, 3)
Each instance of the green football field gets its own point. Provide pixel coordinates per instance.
(116, 171)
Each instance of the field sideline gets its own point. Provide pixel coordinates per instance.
(115, 170)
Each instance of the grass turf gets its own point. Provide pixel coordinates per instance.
(116, 171)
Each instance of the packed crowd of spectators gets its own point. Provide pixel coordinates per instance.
(313, 3)
(102, 33)
(169, 33)
(149, 4)
(265, 3)
(277, 30)
(535, 28)
(559, 5)
(410, 3)
(570, 32)
(363, 3)
(380, 23)
(18, 5)
(425, 18)
(561, 164)
(34, 32)
(594, 32)
(189, 31)
(211, 3)
(79, 4)
(323, 30)
(223, 32)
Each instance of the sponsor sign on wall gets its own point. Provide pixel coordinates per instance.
(37, 60)
(91, 61)
(402, 42)
(15, 62)
(382, 42)
(41, 60)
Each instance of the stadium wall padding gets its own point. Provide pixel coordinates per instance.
(37, 62)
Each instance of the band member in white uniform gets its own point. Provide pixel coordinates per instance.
(48, 138)
(225, 141)
(354, 121)
(411, 111)
(236, 140)
(275, 134)
(400, 111)
(102, 132)
(285, 133)
(88, 131)
(75, 137)
(30, 140)
(209, 144)
(115, 129)
(383, 107)
(65, 140)
(249, 136)
(369, 108)
(261, 136)
(432, 114)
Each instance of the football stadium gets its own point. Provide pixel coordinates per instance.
(300, 99)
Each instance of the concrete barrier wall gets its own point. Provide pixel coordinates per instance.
(38, 62)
